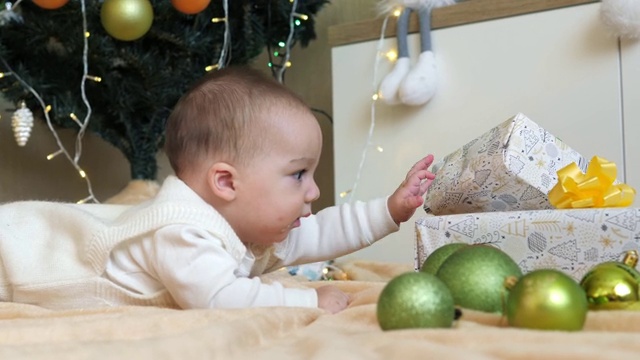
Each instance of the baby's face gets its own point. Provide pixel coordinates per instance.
(277, 189)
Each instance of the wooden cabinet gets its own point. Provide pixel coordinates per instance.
(562, 68)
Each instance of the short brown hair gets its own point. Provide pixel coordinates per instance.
(216, 117)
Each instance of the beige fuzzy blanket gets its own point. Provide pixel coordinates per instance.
(29, 332)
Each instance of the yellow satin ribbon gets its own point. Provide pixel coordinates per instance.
(593, 189)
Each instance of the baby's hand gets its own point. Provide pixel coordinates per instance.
(332, 299)
(409, 195)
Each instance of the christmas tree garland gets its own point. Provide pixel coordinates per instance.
(138, 81)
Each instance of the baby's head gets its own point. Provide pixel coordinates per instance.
(222, 116)
(248, 146)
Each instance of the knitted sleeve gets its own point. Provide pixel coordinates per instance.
(336, 231)
(199, 272)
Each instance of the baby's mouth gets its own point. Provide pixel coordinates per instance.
(296, 223)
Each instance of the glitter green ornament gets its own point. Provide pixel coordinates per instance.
(415, 300)
(546, 299)
(433, 262)
(475, 276)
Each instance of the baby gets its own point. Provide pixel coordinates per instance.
(244, 150)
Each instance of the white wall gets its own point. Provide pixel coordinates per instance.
(564, 75)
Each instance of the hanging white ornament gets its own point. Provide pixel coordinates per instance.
(7, 15)
(21, 123)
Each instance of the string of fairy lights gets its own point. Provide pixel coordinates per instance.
(82, 124)
(74, 159)
(293, 20)
(223, 59)
(390, 55)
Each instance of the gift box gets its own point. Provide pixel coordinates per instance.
(572, 240)
(511, 167)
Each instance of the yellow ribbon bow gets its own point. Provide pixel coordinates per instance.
(593, 189)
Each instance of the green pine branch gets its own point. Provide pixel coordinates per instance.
(142, 79)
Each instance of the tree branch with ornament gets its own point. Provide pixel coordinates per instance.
(116, 67)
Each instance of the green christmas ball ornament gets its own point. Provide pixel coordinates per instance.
(126, 20)
(415, 300)
(475, 276)
(546, 299)
(432, 263)
(613, 285)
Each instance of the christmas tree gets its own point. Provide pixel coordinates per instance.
(140, 80)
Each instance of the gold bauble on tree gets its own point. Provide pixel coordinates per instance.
(126, 20)
(613, 284)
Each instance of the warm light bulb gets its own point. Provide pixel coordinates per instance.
(211, 67)
(282, 44)
(74, 117)
(379, 148)
(84, 200)
(391, 55)
(82, 173)
(217, 20)
(87, 34)
(345, 193)
(288, 64)
(397, 12)
(47, 108)
(375, 97)
(94, 78)
(3, 74)
(52, 155)
(301, 16)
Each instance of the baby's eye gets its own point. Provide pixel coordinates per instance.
(299, 174)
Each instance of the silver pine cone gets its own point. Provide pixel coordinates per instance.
(22, 123)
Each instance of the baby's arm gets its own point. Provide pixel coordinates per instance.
(410, 194)
(336, 231)
(200, 272)
(342, 229)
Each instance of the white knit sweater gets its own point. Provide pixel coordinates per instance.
(174, 250)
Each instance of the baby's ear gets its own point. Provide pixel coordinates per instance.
(221, 177)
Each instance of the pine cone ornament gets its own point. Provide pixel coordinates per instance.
(22, 123)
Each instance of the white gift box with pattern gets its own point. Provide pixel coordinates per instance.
(511, 167)
(569, 240)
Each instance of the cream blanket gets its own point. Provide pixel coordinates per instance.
(29, 332)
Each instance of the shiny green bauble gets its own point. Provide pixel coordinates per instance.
(415, 300)
(432, 263)
(475, 276)
(547, 299)
(126, 20)
(613, 284)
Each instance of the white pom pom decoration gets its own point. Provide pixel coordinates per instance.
(622, 17)
(22, 123)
